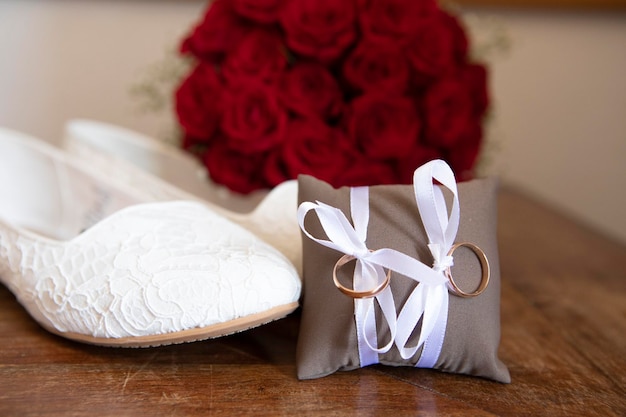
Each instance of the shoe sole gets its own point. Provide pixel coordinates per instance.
(185, 336)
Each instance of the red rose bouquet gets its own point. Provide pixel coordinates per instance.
(354, 92)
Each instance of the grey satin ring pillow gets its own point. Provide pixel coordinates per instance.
(327, 341)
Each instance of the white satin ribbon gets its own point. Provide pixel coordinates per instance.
(428, 302)
(441, 230)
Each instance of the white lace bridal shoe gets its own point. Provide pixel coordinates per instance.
(171, 174)
(97, 262)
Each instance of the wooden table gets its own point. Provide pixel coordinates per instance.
(563, 338)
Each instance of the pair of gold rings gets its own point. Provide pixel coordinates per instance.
(484, 281)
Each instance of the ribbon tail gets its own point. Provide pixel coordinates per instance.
(364, 277)
(433, 300)
(430, 304)
(387, 306)
(365, 330)
(408, 319)
(434, 341)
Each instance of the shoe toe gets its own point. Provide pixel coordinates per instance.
(155, 270)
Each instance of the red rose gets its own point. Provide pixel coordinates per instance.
(475, 78)
(274, 170)
(219, 32)
(460, 41)
(321, 29)
(259, 56)
(239, 171)
(364, 171)
(253, 120)
(462, 157)
(197, 102)
(262, 11)
(383, 126)
(393, 20)
(448, 109)
(377, 66)
(437, 47)
(415, 158)
(316, 149)
(308, 88)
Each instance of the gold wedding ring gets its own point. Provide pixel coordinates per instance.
(484, 264)
(357, 294)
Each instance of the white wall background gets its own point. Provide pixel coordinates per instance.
(560, 92)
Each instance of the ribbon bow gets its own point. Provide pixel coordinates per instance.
(428, 302)
(368, 273)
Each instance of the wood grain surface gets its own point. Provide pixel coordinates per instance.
(563, 338)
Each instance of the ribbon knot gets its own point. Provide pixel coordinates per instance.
(441, 259)
(361, 254)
